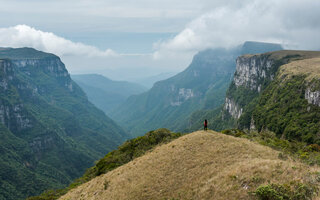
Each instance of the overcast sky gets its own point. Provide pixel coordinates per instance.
(122, 38)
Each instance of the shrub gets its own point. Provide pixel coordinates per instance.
(292, 191)
(234, 132)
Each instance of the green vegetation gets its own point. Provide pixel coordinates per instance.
(218, 119)
(50, 132)
(283, 109)
(22, 53)
(125, 153)
(280, 106)
(170, 102)
(291, 191)
(208, 77)
(247, 98)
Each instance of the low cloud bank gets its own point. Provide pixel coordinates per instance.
(26, 36)
(293, 23)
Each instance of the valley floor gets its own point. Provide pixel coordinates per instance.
(200, 165)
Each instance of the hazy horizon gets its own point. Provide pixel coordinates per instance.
(122, 39)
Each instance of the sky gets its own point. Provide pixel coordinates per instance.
(133, 39)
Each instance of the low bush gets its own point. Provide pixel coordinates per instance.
(291, 191)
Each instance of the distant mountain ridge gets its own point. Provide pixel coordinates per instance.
(251, 47)
(105, 93)
(170, 102)
(50, 131)
(149, 81)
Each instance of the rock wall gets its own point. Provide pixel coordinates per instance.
(181, 95)
(232, 108)
(252, 70)
(313, 97)
(51, 66)
(12, 113)
(251, 73)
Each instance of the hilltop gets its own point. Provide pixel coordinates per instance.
(200, 165)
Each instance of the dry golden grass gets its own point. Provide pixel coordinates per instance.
(200, 165)
(309, 67)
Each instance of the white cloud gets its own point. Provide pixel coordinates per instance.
(26, 36)
(293, 23)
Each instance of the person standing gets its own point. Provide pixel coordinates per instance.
(205, 125)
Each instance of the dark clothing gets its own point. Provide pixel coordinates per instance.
(205, 125)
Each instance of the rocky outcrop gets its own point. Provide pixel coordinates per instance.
(6, 73)
(50, 65)
(313, 97)
(44, 142)
(11, 114)
(252, 70)
(232, 108)
(13, 117)
(183, 94)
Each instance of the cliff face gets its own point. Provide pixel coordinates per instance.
(51, 66)
(312, 95)
(278, 91)
(233, 108)
(11, 114)
(61, 131)
(252, 74)
(251, 71)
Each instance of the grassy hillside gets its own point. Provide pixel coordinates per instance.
(205, 165)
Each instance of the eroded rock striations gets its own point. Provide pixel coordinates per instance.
(277, 91)
(252, 70)
(252, 73)
(313, 96)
